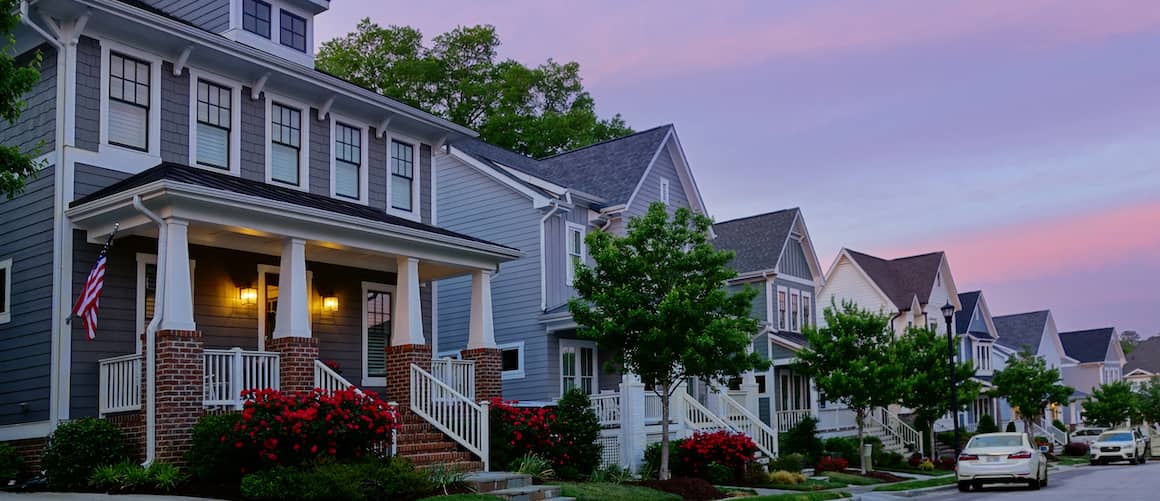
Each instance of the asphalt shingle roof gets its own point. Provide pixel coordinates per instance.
(903, 278)
(968, 300)
(1088, 345)
(1021, 331)
(757, 240)
(202, 177)
(1145, 356)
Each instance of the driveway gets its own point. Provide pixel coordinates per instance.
(1118, 482)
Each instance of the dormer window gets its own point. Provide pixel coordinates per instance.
(256, 17)
(665, 191)
(292, 31)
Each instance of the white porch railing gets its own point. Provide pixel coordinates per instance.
(840, 419)
(229, 372)
(1057, 436)
(458, 374)
(607, 409)
(451, 412)
(742, 420)
(326, 379)
(698, 417)
(120, 380)
(653, 410)
(788, 419)
(895, 427)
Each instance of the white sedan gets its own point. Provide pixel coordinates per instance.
(1000, 458)
(1119, 445)
(1086, 435)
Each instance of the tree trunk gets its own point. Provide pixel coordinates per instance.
(861, 416)
(665, 397)
(930, 447)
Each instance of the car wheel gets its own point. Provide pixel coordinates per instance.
(964, 486)
(1094, 462)
(1043, 483)
(1034, 484)
(1133, 461)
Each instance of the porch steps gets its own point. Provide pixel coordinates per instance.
(427, 448)
(890, 443)
(513, 487)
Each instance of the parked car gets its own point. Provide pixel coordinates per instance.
(1119, 445)
(1142, 434)
(1086, 435)
(1000, 458)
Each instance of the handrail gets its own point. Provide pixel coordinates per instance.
(744, 421)
(698, 417)
(451, 413)
(120, 384)
(327, 379)
(228, 372)
(1052, 433)
(607, 408)
(895, 426)
(458, 374)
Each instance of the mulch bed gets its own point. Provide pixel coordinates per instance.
(884, 476)
(692, 489)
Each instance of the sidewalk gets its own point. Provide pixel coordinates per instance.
(83, 496)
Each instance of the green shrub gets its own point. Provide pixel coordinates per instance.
(79, 447)
(717, 473)
(534, 465)
(612, 473)
(986, 424)
(566, 435)
(10, 464)
(127, 476)
(1059, 425)
(803, 439)
(889, 459)
(948, 438)
(788, 462)
(445, 478)
(395, 478)
(1010, 427)
(578, 427)
(212, 457)
(847, 448)
(652, 457)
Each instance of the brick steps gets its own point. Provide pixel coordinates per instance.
(427, 448)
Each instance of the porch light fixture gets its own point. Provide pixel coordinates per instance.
(247, 295)
(330, 304)
(948, 311)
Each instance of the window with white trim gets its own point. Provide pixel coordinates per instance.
(511, 360)
(402, 176)
(348, 154)
(807, 304)
(793, 311)
(781, 307)
(577, 366)
(6, 291)
(575, 246)
(285, 144)
(256, 17)
(665, 191)
(376, 331)
(292, 30)
(129, 101)
(214, 121)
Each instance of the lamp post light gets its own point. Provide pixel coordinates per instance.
(948, 311)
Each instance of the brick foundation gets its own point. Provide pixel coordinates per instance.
(132, 425)
(488, 381)
(296, 359)
(30, 450)
(179, 381)
(398, 364)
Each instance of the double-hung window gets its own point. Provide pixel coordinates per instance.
(577, 366)
(256, 17)
(402, 175)
(575, 244)
(292, 31)
(285, 144)
(128, 120)
(347, 161)
(5, 291)
(781, 310)
(806, 309)
(793, 311)
(214, 103)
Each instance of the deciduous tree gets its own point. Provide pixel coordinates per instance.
(15, 81)
(926, 383)
(1030, 386)
(1148, 400)
(656, 300)
(1111, 404)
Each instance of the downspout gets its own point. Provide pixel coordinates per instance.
(151, 334)
(543, 259)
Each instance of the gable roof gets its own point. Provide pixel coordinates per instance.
(1087, 345)
(963, 317)
(904, 278)
(1022, 330)
(1146, 356)
(757, 241)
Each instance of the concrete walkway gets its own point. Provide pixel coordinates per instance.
(83, 496)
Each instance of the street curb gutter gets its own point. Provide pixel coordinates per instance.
(918, 492)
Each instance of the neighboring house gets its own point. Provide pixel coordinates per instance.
(1033, 332)
(775, 255)
(1143, 363)
(910, 290)
(1099, 360)
(545, 208)
(979, 336)
(267, 215)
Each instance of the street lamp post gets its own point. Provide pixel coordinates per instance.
(948, 311)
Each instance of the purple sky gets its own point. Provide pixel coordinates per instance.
(1021, 137)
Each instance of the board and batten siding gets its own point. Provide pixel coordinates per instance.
(26, 339)
(794, 262)
(35, 131)
(556, 254)
(209, 15)
(846, 283)
(472, 203)
(650, 189)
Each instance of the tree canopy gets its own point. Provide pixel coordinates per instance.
(925, 386)
(16, 80)
(1030, 386)
(656, 301)
(1148, 400)
(538, 111)
(1111, 404)
(1129, 339)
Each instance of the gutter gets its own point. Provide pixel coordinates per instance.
(151, 334)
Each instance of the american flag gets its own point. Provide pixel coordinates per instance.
(89, 301)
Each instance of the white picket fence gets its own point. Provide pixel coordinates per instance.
(451, 412)
(229, 372)
(120, 384)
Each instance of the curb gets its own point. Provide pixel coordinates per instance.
(916, 492)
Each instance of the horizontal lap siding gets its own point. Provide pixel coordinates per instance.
(210, 15)
(556, 254)
(340, 333)
(35, 131)
(650, 189)
(26, 340)
(472, 203)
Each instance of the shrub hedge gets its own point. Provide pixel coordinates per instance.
(369, 479)
(79, 447)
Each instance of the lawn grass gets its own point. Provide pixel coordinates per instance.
(809, 485)
(602, 491)
(1071, 460)
(916, 484)
(916, 471)
(805, 496)
(852, 479)
(463, 497)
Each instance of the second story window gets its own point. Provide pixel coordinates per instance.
(402, 175)
(805, 310)
(781, 309)
(347, 160)
(793, 312)
(292, 31)
(575, 250)
(285, 143)
(665, 191)
(213, 125)
(128, 102)
(256, 17)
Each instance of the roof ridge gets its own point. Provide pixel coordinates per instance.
(1023, 313)
(600, 143)
(742, 218)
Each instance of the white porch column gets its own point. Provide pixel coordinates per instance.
(177, 308)
(813, 397)
(632, 422)
(293, 318)
(481, 331)
(407, 322)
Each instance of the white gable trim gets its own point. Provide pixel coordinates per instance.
(845, 254)
(1139, 372)
(1049, 326)
(807, 248)
(538, 200)
(986, 312)
(1115, 352)
(684, 173)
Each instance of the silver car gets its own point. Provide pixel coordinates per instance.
(1119, 445)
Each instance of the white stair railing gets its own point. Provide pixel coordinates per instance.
(458, 374)
(451, 412)
(120, 384)
(788, 419)
(229, 372)
(653, 408)
(895, 427)
(740, 419)
(607, 409)
(699, 418)
(326, 379)
(1057, 436)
